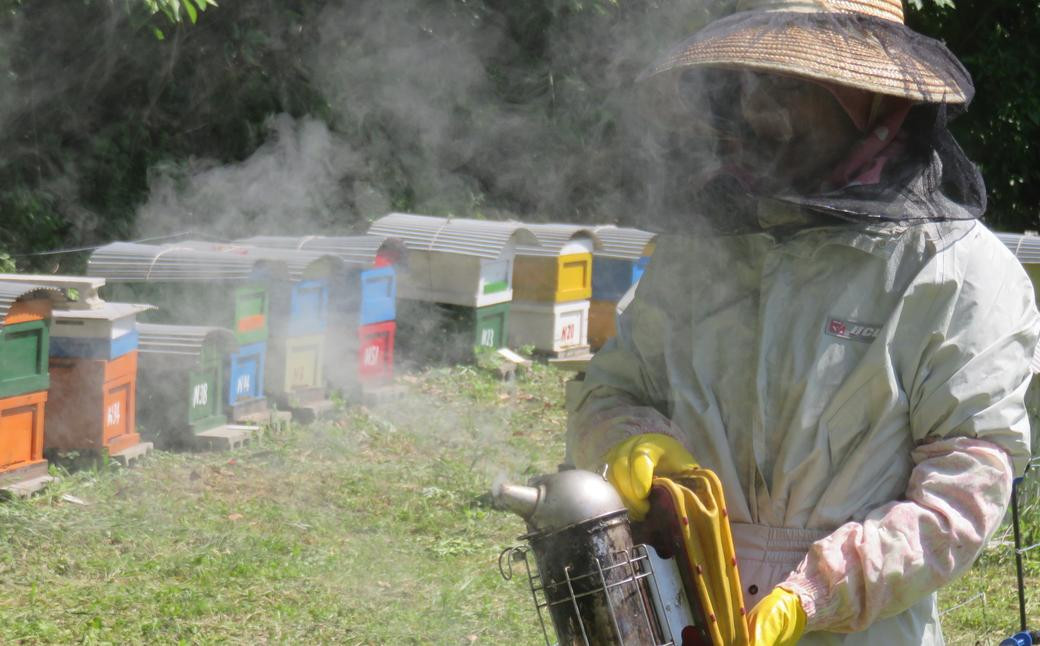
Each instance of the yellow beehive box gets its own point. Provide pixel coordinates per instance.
(559, 270)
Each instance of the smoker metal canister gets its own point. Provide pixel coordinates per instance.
(591, 576)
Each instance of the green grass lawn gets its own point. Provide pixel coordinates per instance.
(371, 529)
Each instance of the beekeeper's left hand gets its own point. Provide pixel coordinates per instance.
(777, 620)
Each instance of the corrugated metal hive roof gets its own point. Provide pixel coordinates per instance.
(186, 340)
(133, 262)
(13, 292)
(356, 250)
(1025, 247)
(552, 238)
(482, 238)
(623, 243)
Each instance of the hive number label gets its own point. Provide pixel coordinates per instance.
(568, 332)
(242, 386)
(371, 356)
(113, 414)
(200, 395)
(487, 337)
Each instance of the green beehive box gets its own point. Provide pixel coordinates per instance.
(181, 381)
(251, 311)
(206, 391)
(491, 326)
(448, 333)
(24, 349)
(239, 307)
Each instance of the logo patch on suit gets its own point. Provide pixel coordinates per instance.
(853, 331)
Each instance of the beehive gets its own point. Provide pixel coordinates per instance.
(364, 290)
(86, 326)
(92, 405)
(620, 261)
(21, 437)
(1027, 249)
(435, 332)
(362, 293)
(376, 353)
(456, 261)
(602, 322)
(182, 381)
(559, 268)
(559, 329)
(189, 286)
(25, 311)
(245, 384)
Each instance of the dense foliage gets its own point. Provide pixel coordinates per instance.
(135, 117)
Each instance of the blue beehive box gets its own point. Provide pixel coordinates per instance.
(308, 307)
(621, 261)
(612, 277)
(104, 348)
(246, 373)
(378, 295)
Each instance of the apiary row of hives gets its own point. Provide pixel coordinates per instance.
(187, 342)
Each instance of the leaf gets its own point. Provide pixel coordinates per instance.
(158, 33)
(189, 8)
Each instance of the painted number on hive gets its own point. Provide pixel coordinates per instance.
(200, 395)
(113, 414)
(568, 332)
(371, 357)
(243, 384)
(487, 337)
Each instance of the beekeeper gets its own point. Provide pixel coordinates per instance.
(833, 333)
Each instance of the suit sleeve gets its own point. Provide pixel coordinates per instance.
(968, 419)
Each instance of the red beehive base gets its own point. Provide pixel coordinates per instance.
(92, 406)
(376, 354)
(21, 437)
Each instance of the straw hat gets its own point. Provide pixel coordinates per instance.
(857, 43)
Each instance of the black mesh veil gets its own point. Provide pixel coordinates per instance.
(689, 92)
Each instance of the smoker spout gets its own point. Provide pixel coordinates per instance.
(518, 499)
(560, 499)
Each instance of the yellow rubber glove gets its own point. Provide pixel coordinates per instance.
(632, 464)
(777, 620)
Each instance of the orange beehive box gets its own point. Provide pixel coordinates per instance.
(602, 323)
(21, 437)
(92, 406)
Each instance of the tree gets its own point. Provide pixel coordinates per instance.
(999, 42)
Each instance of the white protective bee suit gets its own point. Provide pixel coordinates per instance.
(859, 391)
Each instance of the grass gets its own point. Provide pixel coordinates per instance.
(371, 529)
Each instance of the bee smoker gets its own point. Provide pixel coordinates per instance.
(599, 587)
